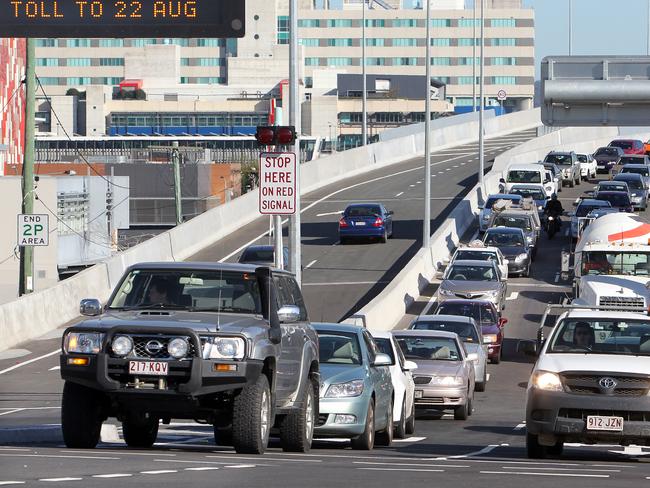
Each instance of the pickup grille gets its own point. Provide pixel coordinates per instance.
(588, 384)
(617, 303)
(422, 380)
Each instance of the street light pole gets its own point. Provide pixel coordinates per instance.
(364, 101)
(294, 120)
(481, 145)
(570, 27)
(426, 227)
(474, 59)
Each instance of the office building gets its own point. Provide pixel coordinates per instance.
(12, 101)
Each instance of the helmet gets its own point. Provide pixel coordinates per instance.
(554, 196)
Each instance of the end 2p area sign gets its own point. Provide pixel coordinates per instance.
(122, 18)
(33, 230)
(277, 183)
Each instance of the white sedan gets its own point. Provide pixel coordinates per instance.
(588, 166)
(402, 379)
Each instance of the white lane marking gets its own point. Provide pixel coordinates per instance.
(405, 469)
(513, 295)
(202, 468)
(410, 439)
(239, 466)
(268, 459)
(15, 410)
(127, 453)
(338, 212)
(485, 450)
(160, 471)
(29, 361)
(60, 479)
(5, 483)
(520, 426)
(103, 458)
(530, 473)
(399, 194)
(463, 164)
(440, 172)
(369, 463)
(455, 166)
(418, 182)
(112, 475)
(311, 264)
(447, 169)
(196, 462)
(33, 408)
(55, 368)
(336, 243)
(550, 468)
(429, 304)
(344, 283)
(412, 186)
(534, 286)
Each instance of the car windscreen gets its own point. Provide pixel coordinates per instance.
(631, 160)
(616, 263)
(336, 347)
(517, 222)
(258, 256)
(362, 211)
(492, 200)
(616, 199)
(465, 330)
(420, 348)
(606, 151)
(466, 272)
(500, 239)
(634, 184)
(219, 291)
(602, 336)
(583, 158)
(384, 346)
(639, 171)
(481, 312)
(584, 208)
(559, 159)
(477, 255)
(524, 176)
(612, 186)
(622, 144)
(533, 193)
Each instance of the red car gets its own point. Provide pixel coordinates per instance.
(486, 315)
(629, 146)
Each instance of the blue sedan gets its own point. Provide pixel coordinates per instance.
(361, 220)
(356, 396)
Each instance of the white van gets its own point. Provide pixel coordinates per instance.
(524, 173)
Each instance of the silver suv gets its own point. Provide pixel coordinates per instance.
(569, 165)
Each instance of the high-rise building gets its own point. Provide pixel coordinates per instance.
(12, 102)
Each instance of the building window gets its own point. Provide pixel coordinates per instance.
(440, 23)
(437, 61)
(502, 61)
(463, 102)
(339, 23)
(467, 41)
(78, 62)
(405, 42)
(47, 61)
(312, 61)
(405, 61)
(80, 80)
(388, 117)
(283, 29)
(339, 42)
(441, 42)
(210, 42)
(502, 41)
(209, 80)
(374, 23)
(504, 80)
(111, 43)
(350, 117)
(469, 22)
(339, 61)
(375, 42)
(308, 23)
(142, 42)
(442, 79)
(503, 23)
(185, 80)
(309, 82)
(468, 61)
(185, 61)
(111, 61)
(48, 80)
(309, 42)
(405, 23)
(375, 61)
(465, 80)
(111, 80)
(209, 61)
(177, 41)
(77, 42)
(46, 43)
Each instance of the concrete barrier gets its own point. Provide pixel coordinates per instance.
(35, 314)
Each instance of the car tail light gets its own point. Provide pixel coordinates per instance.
(342, 223)
(378, 222)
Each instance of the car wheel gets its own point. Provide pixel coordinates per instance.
(526, 273)
(343, 241)
(384, 238)
(366, 441)
(252, 417)
(462, 412)
(385, 437)
(470, 406)
(578, 180)
(140, 431)
(557, 449)
(400, 428)
(81, 416)
(534, 449)
(559, 188)
(571, 183)
(480, 387)
(297, 428)
(410, 423)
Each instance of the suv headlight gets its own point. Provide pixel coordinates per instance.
(490, 338)
(224, 348)
(447, 381)
(546, 380)
(521, 257)
(83, 342)
(178, 348)
(122, 345)
(344, 390)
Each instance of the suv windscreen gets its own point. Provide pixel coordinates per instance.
(503, 239)
(602, 336)
(612, 186)
(535, 194)
(464, 272)
(219, 291)
(481, 312)
(559, 159)
(634, 184)
(258, 256)
(583, 158)
(338, 347)
(631, 160)
(517, 222)
(465, 330)
(429, 348)
(524, 176)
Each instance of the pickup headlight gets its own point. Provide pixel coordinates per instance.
(447, 381)
(490, 339)
(345, 390)
(83, 342)
(546, 380)
(448, 293)
(224, 348)
(522, 257)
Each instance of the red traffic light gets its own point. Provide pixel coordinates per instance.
(275, 135)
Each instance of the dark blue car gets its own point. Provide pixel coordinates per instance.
(363, 220)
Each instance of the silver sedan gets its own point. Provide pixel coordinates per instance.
(475, 280)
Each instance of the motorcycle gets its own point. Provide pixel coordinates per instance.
(553, 224)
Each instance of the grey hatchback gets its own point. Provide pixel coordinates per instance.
(638, 189)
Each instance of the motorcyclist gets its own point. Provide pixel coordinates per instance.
(554, 209)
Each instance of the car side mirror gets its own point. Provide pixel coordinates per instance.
(390, 212)
(382, 359)
(410, 366)
(288, 314)
(501, 180)
(90, 307)
(529, 348)
(472, 356)
(506, 262)
(502, 321)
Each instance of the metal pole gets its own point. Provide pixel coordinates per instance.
(26, 284)
(364, 100)
(426, 227)
(481, 147)
(177, 183)
(474, 60)
(648, 52)
(294, 119)
(570, 27)
(277, 233)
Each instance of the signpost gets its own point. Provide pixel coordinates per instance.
(277, 183)
(33, 230)
(501, 96)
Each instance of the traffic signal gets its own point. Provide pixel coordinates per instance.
(282, 135)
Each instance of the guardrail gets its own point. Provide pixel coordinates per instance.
(38, 313)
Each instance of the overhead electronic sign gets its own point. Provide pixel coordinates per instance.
(122, 18)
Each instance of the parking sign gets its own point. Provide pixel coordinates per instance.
(277, 183)
(33, 230)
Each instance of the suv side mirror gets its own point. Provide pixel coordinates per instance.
(288, 314)
(501, 180)
(382, 359)
(472, 356)
(90, 307)
(409, 366)
(529, 348)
